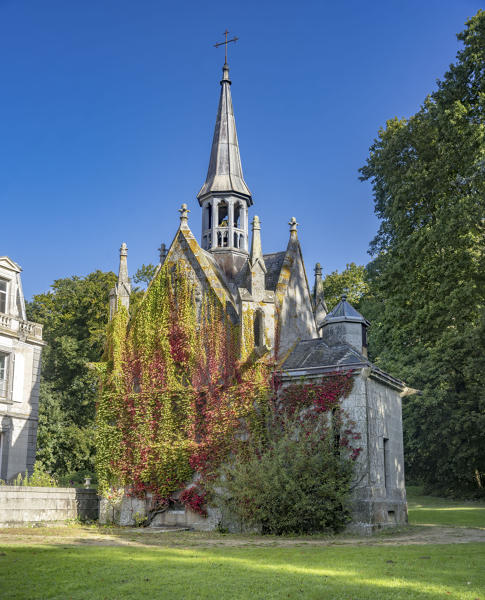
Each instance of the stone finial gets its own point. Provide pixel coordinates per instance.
(225, 74)
(293, 226)
(123, 270)
(319, 305)
(121, 291)
(163, 253)
(256, 283)
(184, 215)
(256, 250)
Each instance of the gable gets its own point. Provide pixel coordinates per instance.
(296, 320)
(7, 263)
(203, 271)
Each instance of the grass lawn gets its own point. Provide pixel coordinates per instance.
(370, 572)
(90, 562)
(429, 510)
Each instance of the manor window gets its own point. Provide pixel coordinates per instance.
(3, 295)
(3, 374)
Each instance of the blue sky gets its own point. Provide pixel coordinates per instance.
(107, 110)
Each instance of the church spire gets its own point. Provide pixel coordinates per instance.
(224, 174)
(225, 197)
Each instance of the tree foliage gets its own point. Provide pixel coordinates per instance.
(144, 274)
(351, 282)
(427, 279)
(74, 314)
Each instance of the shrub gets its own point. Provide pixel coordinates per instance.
(299, 483)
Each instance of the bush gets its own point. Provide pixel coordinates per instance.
(298, 484)
(39, 478)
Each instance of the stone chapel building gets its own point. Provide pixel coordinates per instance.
(290, 320)
(20, 351)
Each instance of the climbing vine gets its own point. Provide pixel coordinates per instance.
(174, 393)
(181, 391)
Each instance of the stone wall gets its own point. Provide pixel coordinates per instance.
(22, 505)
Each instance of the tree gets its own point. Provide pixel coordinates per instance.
(427, 277)
(351, 282)
(74, 315)
(144, 274)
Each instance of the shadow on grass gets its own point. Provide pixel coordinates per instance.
(95, 572)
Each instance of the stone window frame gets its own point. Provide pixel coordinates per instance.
(6, 397)
(4, 295)
(5, 437)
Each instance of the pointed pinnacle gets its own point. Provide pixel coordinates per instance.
(184, 214)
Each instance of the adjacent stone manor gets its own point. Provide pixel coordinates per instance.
(267, 296)
(20, 353)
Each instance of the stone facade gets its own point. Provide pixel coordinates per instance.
(269, 297)
(20, 354)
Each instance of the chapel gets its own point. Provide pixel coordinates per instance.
(269, 296)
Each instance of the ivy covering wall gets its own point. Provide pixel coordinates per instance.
(182, 390)
(174, 390)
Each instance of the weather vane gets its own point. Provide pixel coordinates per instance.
(235, 39)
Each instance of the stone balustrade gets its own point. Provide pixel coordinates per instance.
(20, 327)
(5, 321)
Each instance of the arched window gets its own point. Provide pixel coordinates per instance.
(237, 215)
(219, 239)
(258, 328)
(224, 239)
(236, 245)
(222, 214)
(209, 216)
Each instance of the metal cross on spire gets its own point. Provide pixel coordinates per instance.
(234, 39)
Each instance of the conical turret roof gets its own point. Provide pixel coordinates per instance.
(345, 312)
(225, 170)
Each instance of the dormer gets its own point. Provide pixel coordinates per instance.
(12, 301)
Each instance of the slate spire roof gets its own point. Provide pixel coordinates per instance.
(225, 170)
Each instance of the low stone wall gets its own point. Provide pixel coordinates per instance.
(131, 511)
(22, 505)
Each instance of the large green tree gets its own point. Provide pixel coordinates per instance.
(74, 314)
(427, 279)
